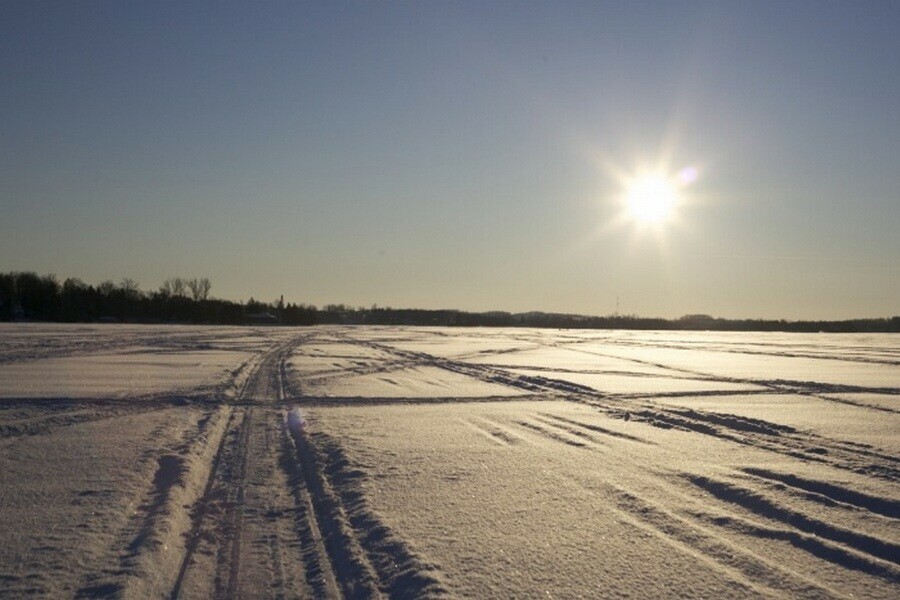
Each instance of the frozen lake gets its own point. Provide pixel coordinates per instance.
(175, 461)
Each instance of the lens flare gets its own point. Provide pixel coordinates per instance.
(295, 422)
(687, 175)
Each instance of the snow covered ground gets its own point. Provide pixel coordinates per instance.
(155, 461)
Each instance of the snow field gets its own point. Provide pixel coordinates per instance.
(644, 471)
(154, 461)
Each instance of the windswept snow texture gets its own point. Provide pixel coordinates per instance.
(357, 462)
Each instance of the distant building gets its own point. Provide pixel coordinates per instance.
(264, 317)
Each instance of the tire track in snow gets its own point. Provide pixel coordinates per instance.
(145, 531)
(277, 537)
(822, 548)
(230, 557)
(812, 389)
(597, 429)
(245, 517)
(491, 432)
(700, 533)
(577, 432)
(54, 413)
(316, 563)
(722, 346)
(710, 547)
(830, 494)
(764, 506)
(781, 439)
(198, 512)
(750, 573)
(289, 520)
(210, 503)
(368, 559)
(364, 558)
(549, 434)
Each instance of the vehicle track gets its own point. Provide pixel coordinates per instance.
(368, 559)
(788, 441)
(217, 517)
(286, 519)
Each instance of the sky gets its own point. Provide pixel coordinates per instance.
(471, 155)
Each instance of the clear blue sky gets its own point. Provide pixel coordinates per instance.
(456, 154)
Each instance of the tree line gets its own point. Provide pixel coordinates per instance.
(28, 296)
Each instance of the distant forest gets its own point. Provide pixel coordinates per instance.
(26, 296)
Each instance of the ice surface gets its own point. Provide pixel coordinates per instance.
(577, 358)
(777, 364)
(136, 373)
(172, 461)
(337, 357)
(835, 420)
(528, 499)
(69, 494)
(412, 383)
(641, 383)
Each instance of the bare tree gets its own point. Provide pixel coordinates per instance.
(130, 287)
(194, 286)
(199, 288)
(205, 285)
(178, 287)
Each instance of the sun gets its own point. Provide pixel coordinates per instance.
(650, 198)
